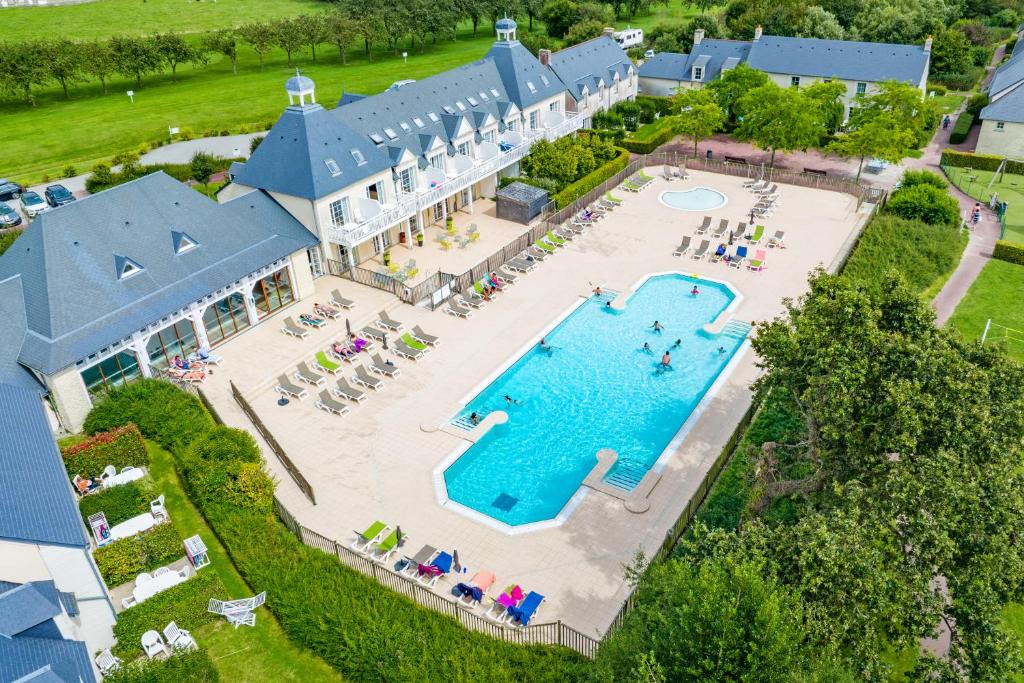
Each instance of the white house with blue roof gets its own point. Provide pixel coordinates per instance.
(376, 169)
(1002, 120)
(54, 607)
(597, 74)
(790, 62)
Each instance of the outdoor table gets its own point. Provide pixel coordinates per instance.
(157, 584)
(130, 527)
(132, 474)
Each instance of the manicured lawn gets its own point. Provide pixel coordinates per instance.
(996, 295)
(948, 103)
(261, 653)
(139, 17)
(649, 130)
(1013, 622)
(1010, 190)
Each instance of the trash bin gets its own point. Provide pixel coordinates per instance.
(710, 154)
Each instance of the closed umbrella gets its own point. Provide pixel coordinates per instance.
(348, 326)
(399, 539)
(385, 341)
(456, 565)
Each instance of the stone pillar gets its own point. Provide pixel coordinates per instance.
(300, 275)
(250, 303)
(196, 316)
(138, 346)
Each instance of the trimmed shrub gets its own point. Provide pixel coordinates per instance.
(960, 81)
(961, 128)
(651, 144)
(7, 239)
(575, 190)
(118, 503)
(921, 253)
(1011, 252)
(976, 103)
(120, 447)
(979, 162)
(162, 412)
(926, 203)
(194, 666)
(939, 90)
(121, 561)
(225, 443)
(912, 178)
(185, 604)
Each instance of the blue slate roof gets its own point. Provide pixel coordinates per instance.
(845, 59)
(12, 336)
(293, 157)
(1009, 107)
(1007, 75)
(518, 69)
(74, 302)
(711, 54)
(600, 58)
(66, 661)
(38, 503)
(23, 607)
(670, 66)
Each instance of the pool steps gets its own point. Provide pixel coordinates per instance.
(635, 499)
(463, 427)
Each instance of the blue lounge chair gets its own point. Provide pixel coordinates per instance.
(521, 615)
(429, 574)
(719, 254)
(737, 259)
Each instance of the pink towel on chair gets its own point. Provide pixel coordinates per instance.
(505, 601)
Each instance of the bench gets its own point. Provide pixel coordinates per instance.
(815, 171)
(735, 160)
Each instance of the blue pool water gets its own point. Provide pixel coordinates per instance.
(697, 199)
(596, 388)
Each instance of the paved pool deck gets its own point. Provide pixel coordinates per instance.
(379, 461)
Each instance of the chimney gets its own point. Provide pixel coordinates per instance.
(757, 32)
(544, 57)
(698, 36)
(608, 31)
(928, 44)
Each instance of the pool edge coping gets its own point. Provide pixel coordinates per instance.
(725, 199)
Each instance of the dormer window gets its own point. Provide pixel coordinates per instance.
(419, 122)
(126, 267)
(358, 156)
(333, 167)
(698, 73)
(182, 242)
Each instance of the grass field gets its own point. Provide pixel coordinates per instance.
(948, 103)
(102, 18)
(248, 655)
(91, 127)
(1010, 190)
(996, 295)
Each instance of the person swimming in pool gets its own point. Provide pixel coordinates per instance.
(666, 363)
(657, 327)
(474, 418)
(510, 401)
(721, 350)
(544, 344)
(647, 348)
(694, 291)
(679, 342)
(598, 291)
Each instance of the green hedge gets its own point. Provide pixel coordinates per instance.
(960, 81)
(961, 128)
(575, 190)
(365, 631)
(118, 503)
(121, 561)
(7, 239)
(1011, 252)
(926, 203)
(979, 162)
(120, 447)
(648, 146)
(162, 412)
(194, 666)
(185, 604)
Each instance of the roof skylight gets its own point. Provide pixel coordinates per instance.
(333, 167)
(390, 132)
(448, 109)
(377, 139)
(472, 100)
(433, 117)
(483, 95)
(358, 156)
(405, 126)
(495, 92)
(531, 86)
(545, 79)
(419, 122)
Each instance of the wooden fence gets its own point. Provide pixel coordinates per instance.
(289, 466)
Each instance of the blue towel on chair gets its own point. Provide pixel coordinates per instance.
(443, 562)
(527, 608)
(477, 594)
(463, 589)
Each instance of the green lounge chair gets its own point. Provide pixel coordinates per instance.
(413, 342)
(373, 534)
(386, 548)
(555, 239)
(545, 247)
(757, 236)
(325, 364)
(612, 199)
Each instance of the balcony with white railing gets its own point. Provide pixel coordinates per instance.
(464, 172)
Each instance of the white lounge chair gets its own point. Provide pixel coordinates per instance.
(107, 662)
(291, 328)
(429, 339)
(346, 390)
(373, 333)
(405, 351)
(506, 277)
(285, 387)
(701, 250)
(363, 377)
(684, 246)
(304, 374)
(338, 300)
(153, 645)
(379, 366)
(179, 638)
(778, 239)
(326, 402)
(458, 310)
(521, 265)
(157, 509)
(389, 322)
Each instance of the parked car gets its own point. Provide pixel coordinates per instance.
(58, 195)
(9, 190)
(33, 204)
(9, 218)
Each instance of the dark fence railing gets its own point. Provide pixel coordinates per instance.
(289, 466)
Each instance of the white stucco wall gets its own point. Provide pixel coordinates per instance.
(1007, 142)
(70, 397)
(660, 87)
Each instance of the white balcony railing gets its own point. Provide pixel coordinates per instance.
(408, 204)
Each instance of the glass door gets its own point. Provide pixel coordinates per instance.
(316, 265)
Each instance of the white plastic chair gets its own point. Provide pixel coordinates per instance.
(107, 662)
(178, 638)
(153, 645)
(157, 508)
(185, 571)
(143, 578)
(128, 602)
(109, 471)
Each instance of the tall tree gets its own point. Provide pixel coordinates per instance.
(697, 115)
(64, 62)
(342, 30)
(289, 35)
(98, 60)
(776, 118)
(314, 31)
(818, 22)
(224, 42)
(559, 16)
(23, 66)
(881, 135)
(733, 84)
(828, 97)
(907, 102)
(174, 50)
(202, 166)
(135, 57)
(261, 37)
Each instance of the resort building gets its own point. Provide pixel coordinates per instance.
(54, 608)
(375, 170)
(596, 73)
(790, 62)
(1002, 120)
(115, 285)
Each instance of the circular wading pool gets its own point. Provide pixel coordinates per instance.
(696, 199)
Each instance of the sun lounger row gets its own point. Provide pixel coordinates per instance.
(637, 182)
(483, 290)
(674, 172)
(318, 318)
(380, 542)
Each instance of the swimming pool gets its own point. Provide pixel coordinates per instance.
(596, 388)
(696, 199)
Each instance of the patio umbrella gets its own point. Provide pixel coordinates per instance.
(385, 341)
(456, 565)
(399, 538)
